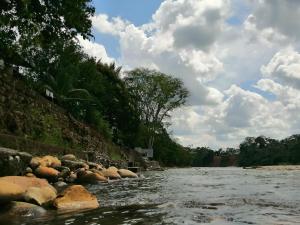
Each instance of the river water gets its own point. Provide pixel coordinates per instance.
(216, 196)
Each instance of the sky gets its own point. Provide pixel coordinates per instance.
(240, 61)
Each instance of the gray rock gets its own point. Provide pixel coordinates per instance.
(13, 162)
(73, 165)
(20, 209)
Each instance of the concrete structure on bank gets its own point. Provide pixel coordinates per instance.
(145, 152)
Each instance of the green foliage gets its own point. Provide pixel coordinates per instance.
(170, 153)
(33, 32)
(202, 157)
(156, 95)
(266, 151)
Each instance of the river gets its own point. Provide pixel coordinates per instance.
(216, 196)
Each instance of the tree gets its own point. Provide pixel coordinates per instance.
(33, 32)
(156, 94)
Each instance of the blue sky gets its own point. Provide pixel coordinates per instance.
(137, 12)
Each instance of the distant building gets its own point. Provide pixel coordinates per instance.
(145, 152)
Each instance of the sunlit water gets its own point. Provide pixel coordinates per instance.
(191, 196)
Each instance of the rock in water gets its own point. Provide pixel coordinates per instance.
(111, 173)
(113, 168)
(13, 162)
(127, 173)
(29, 189)
(90, 177)
(10, 192)
(41, 196)
(16, 209)
(76, 197)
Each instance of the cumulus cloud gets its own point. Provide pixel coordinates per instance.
(285, 67)
(276, 20)
(178, 41)
(95, 50)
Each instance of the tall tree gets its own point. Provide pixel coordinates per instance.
(33, 32)
(156, 94)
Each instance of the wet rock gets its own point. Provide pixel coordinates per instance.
(25, 182)
(76, 197)
(97, 171)
(28, 170)
(46, 172)
(73, 165)
(40, 196)
(64, 172)
(90, 177)
(30, 175)
(69, 157)
(71, 178)
(95, 166)
(113, 168)
(29, 189)
(16, 209)
(46, 161)
(111, 172)
(10, 192)
(13, 162)
(60, 184)
(127, 173)
(35, 162)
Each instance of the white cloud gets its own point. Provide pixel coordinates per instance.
(285, 67)
(95, 50)
(276, 20)
(114, 26)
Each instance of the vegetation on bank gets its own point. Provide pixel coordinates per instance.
(40, 38)
(253, 151)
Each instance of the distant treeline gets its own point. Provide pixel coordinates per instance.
(253, 151)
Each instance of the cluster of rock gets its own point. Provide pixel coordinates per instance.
(65, 174)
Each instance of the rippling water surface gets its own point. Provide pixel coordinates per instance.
(191, 196)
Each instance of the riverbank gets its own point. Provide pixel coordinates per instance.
(34, 184)
(279, 167)
(193, 196)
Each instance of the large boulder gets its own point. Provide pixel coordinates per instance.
(76, 197)
(10, 192)
(35, 190)
(13, 162)
(19, 209)
(25, 182)
(127, 173)
(41, 196)
(46, 161)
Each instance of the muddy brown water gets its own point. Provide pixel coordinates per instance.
(217, 196)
